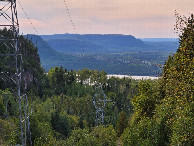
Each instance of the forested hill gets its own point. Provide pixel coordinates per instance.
(94, 43)
(113, 53)
(133, 64)
(48, 56)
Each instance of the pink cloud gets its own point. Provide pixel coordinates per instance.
(137, 17)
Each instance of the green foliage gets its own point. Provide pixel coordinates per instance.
(166, 117)
(8, 134)
(105, 135)
(33, 77)
(75, 121)
(121, 91)
(40, 120)
(182, 127)
(145, 112)
(178, 80)
(146, 132)
(46, 136)
(99, 136)
(57, 80)
(144, 103)
(122, 123)
(60, 123)
(80, 137)
(2, 107)
(12, 104)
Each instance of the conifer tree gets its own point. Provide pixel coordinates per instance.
(121, 123)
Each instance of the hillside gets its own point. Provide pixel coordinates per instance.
(76, 46)
(109, 43)
(113, 53)
(111, 63)
(94, 43)
(48, 56)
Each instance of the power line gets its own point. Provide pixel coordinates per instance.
(69, 14)
(28, 18)
(34, 28)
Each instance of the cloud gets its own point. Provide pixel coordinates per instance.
(143, 18)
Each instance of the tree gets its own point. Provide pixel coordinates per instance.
(122, 123)
(144, 103)
(60, 123)
(164, 115)
(178, 79)
(103, 136)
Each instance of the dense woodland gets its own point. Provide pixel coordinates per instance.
(141, 112)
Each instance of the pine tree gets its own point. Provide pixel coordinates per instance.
(121, 123)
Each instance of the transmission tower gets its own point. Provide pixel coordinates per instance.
(99, 101)
(11, 69)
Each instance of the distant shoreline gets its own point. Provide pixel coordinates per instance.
(133, 77)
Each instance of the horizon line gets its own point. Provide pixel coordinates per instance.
(104, 34)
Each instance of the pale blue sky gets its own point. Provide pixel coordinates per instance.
(141, 18)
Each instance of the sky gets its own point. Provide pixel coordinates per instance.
(140, 18)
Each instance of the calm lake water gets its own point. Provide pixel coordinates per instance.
(133, 77)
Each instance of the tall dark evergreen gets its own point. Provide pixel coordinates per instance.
(122, 123)
(60, 123)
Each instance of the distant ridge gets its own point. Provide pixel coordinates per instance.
(48, 56)
(93, 43)
(100, 52)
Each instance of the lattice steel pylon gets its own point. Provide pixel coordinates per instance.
(11, 69)
(99, 101)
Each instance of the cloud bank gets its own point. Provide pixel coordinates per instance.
(141, 18)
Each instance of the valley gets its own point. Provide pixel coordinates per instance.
(113, 53)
